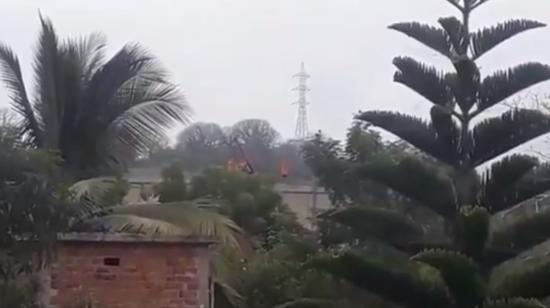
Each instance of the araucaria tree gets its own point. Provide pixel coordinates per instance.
(483, 262)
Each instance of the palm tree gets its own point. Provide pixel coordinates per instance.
(482, 260)
(96, 112)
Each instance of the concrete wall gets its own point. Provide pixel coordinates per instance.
(130, 275)
(300, 199)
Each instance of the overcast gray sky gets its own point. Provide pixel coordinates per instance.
(235, 58)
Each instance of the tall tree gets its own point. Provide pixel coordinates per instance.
(256, 130)
(95, 112)
(203, 145)
(482, 263)
(258, 138)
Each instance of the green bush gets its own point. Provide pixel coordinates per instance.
(173, 187)
(14, 295)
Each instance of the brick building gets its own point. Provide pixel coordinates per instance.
(130, 271)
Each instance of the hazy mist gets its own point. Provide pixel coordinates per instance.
(235, 58)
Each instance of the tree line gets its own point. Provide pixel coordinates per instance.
(204, 145)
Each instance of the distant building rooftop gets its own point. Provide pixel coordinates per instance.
(131, 238)
(144, 175)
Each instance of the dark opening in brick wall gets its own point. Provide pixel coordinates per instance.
(111, 261)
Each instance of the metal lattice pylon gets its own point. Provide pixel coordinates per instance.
(302, 129)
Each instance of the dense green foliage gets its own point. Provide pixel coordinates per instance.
(277, 276)
(416, 223)
(173, 187)
(248, 200)
(18, 296)
(333, 163)
(34, 207)
(336, 167)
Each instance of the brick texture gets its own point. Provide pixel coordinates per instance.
(148, 275)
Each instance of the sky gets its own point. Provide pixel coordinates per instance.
(235, 58)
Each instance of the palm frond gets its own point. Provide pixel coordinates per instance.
(413, 284)
(415, 180)
(527, 278)
(498, 135)
(486, 39)
(50, 98)
(461, 274)
(186, 216)
(423, 79)
(501, 178)
(89, 194)
(132, 224)
(226, 296)
(432, 37)
(415, 131)
(514, 303)
(89, 51)
(11, 76)
(456, 34)
(79, 109)
(139, 118)
(503, 84)
(179, 218)
(368, 221)
(79, 59)
(130, 105)
(131, 63)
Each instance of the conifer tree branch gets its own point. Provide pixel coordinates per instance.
(412, 284)
(499, 184)
(410, 178)
(525, 278)
(456, 5)
(475, 6)
(370, 221)
(522, 233)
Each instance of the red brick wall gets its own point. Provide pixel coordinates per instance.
(149, 275)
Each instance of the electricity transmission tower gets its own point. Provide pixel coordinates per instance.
(302, 130)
